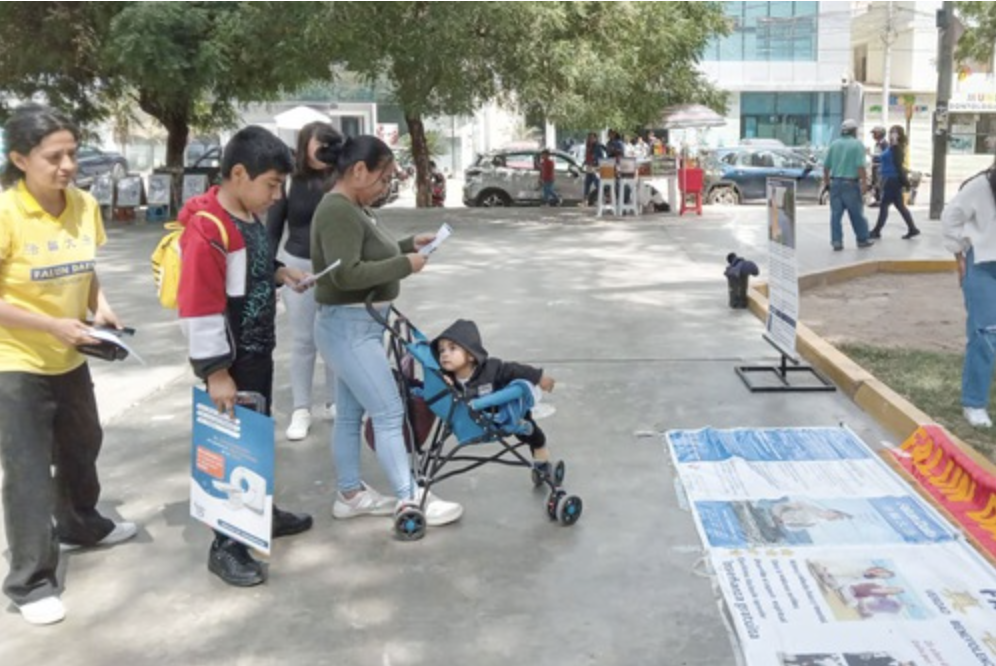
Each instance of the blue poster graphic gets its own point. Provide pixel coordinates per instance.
(774, 445)
(232, 465)
(796, 521)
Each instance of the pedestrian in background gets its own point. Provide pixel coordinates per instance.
(895, 179)
(308, 184)
(594, 152)
(968, 227)
(50, 433)
(845, 176)
(548, 179)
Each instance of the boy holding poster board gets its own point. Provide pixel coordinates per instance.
(227, 304)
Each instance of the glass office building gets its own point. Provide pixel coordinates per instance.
(784, 64)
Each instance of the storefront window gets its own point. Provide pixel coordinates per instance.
(795, 119)
(973, 134)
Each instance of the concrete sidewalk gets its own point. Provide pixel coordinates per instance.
(629, 316)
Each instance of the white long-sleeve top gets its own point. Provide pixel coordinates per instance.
(969, 220)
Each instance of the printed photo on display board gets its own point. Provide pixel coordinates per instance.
(159, 189)
(194, 184)
(130, 192)
(102, 189)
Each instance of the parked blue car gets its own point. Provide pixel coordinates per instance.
(738, 175)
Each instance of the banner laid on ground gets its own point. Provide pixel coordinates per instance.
(231, 487)
(825, 557)
(783, 272)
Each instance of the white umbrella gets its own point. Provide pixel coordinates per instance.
(688, 116)
(298, 117)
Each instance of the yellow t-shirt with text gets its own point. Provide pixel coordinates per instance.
(47, 265)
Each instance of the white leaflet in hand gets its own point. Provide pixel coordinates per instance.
(109, 336)
(444, 232)
(312, 279)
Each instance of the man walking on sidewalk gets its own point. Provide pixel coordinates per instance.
(844, 174)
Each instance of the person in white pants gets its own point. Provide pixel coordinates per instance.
(308, 185)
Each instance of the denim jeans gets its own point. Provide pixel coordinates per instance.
(979, 289)
(846, 195)
(302, 310)
(550, 195)
(351, 342)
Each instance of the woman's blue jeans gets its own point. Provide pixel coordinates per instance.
(979, 289)
(351, 343)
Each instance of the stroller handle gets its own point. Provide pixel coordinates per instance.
(377, 317)
(517, 390)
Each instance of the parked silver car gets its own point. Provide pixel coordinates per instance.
(511, 177)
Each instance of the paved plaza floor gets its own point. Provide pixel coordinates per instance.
(630, 316)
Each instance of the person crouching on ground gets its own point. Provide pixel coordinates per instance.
(228, 303)
(466, 364)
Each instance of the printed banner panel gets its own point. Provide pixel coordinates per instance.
(927, 605)
(231, 487)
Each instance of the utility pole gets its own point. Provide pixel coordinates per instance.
(888, 39)
(945, 71)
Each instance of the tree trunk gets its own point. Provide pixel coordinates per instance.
(178, 129)
(420, 156)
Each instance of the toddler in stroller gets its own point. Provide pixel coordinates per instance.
(475, 399)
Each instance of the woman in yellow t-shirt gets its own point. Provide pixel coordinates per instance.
(49, 234)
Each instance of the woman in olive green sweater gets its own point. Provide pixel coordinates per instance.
(350, 341)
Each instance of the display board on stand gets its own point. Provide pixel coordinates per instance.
(783, 300)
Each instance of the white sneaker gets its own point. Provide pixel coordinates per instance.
(437, 511)
(977, 417)
(367, 502)
(329, 411)
(300, 425)
(121, 532)
(44, 611)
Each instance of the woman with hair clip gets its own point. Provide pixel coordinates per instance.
(373, 263)
(894, 179)
(308, 184)
(50, 433)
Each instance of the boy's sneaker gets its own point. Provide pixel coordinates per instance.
(44, 611)
(329, 411)
(977, 417)
(367, 502)
(286, 523)
(230, 561)
(300, 425)
(437, 511)
(121, 532)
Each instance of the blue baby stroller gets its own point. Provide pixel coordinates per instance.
(442, 428)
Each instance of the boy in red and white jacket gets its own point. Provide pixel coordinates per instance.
(227, 302)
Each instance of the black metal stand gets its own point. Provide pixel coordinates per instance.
(781, 373)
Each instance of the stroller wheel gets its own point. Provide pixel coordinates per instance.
(559, 472)
(409, 524)
(569, 511)
(553, 503)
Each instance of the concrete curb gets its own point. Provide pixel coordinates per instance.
(893, 412)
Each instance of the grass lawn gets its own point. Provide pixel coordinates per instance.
(931, 381)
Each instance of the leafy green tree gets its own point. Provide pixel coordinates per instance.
(192, 62)
(187, 64)
(584, 64)
(53, 49)
(979, 38)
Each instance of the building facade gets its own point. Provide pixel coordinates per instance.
(786, 67)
